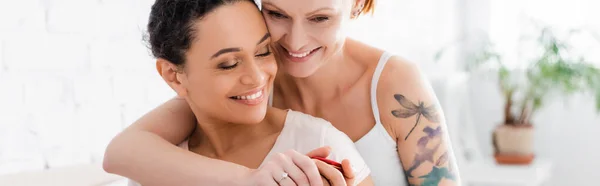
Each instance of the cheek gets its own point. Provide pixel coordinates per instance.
(270, 67)
(208, 91)
(277, 28)
(331, 37)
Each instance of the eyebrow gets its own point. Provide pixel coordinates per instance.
(225, 50)
(265, 37)
(324, 8)
(237, 49)
(272, 5)
(312, 12)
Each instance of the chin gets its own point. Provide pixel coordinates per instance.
(299, 70)
(252, 116)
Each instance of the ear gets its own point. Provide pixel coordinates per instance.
(357, 8)
(359, 4)
(172, 75)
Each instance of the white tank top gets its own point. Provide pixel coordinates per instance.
(378, 149)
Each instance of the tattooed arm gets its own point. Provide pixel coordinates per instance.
(410, 112)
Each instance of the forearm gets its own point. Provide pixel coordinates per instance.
(150, 160)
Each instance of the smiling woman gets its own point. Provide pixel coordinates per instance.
(225, 77)
(322, 73)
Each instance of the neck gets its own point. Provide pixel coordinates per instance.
(329, 82)
(217, 139)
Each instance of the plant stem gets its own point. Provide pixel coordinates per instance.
(524, 113)
(508, 118)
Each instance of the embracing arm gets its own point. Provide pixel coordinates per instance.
(145, 151)
(411, 113)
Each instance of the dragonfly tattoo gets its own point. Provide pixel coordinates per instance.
(411, 109)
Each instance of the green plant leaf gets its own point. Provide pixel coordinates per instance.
(537, 103)
(438, 55)
(598, 101)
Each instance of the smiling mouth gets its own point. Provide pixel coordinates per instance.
(256, 97)
(249, 97)
(301, 55)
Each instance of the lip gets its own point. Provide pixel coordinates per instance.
(253, 91)
(252, 102)
(286, 53)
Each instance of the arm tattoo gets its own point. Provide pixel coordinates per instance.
(411, 109)
(439, 172)
(424, 154)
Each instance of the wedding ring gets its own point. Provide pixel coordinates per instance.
(284, 175)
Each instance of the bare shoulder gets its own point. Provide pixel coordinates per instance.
(399, 74)
(364, 54)
(401, 80)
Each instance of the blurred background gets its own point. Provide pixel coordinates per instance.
(73, 73)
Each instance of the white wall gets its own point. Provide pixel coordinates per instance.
(413, 29)
(566, 131)
(73, 73)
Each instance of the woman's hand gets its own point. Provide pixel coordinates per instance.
(289, 169)
(334, 177)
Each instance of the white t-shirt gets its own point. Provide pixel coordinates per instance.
(304, 133)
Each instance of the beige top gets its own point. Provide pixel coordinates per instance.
(304, 133)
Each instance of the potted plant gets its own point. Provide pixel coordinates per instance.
(525, 90)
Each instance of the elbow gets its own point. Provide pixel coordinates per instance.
(107, 164)
(111, 156)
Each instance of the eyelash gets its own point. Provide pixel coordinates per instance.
(257, 55)
(267, 53)
(278, 15)
(320, 19)
(230, 66)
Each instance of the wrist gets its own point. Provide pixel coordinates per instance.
(243, 177)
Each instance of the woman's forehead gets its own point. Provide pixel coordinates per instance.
(307, 5)
(236, 25)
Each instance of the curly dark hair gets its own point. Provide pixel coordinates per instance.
(171, 26)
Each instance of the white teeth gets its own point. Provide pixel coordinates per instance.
(253, 96)
(299, 55)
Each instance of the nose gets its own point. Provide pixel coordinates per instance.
(253, 74)
(296, 37)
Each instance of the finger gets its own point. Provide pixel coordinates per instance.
(320, 152)
(348, 172)
(277, 175)
(325, 181)
(308, 167)
(268, 182)
(347, 168)
(334, 176)
(287, 182)
(295, 173)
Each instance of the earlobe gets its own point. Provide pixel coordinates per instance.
(168, 71)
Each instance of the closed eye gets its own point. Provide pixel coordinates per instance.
(276, 15)
(264, 52)
(319, 19)
(229, 65)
